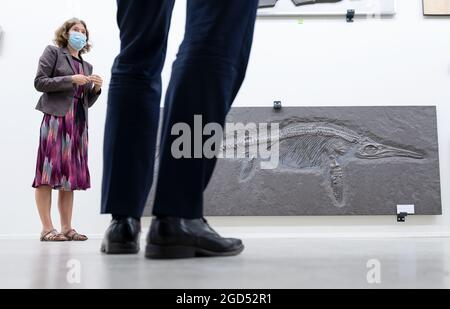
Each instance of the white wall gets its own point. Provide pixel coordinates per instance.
(400, 61)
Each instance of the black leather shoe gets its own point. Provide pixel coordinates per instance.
(171, 238)
(122, 237)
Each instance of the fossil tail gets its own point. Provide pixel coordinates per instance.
(247, 167)
(337, 182)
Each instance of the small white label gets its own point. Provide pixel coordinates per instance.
(409, 209)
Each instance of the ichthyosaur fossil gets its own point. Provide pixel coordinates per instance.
(324, 145)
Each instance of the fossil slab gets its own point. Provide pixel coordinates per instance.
(332, 161)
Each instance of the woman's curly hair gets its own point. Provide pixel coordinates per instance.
(62, 34)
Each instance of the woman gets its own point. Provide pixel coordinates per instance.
(69, 90)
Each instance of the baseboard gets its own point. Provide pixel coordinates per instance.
(271, 235)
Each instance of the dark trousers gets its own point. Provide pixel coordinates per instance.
(206, 76)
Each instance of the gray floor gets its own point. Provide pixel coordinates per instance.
(266, 263)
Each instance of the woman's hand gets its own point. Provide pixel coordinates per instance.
(80, 80)
(98, 82)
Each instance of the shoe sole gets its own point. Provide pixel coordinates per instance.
(120, 248)
(183, 252)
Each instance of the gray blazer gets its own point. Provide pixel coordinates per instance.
(54, 79)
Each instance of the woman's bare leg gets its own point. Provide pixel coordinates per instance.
(43, 197)
(65, 205)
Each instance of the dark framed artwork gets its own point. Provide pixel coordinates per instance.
(337, 160)
(436, 7)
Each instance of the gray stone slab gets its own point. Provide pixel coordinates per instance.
(334, 161)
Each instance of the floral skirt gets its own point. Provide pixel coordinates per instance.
(62, 159)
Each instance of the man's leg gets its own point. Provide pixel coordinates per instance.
(132, 119)
(134, 105)
(206, 77)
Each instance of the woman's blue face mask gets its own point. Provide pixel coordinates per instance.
(77, 40)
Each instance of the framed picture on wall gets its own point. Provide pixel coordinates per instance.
(296, 8)
(436, 7)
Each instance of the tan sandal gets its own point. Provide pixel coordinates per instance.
(53, 235)
(72, 235)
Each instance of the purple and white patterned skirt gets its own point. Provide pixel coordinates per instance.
(62, 159)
